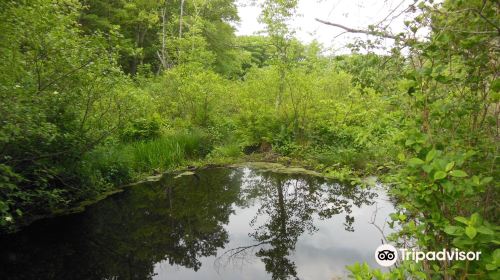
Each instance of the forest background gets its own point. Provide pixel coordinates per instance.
(97, 94)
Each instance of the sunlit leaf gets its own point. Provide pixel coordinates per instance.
(458, 173)
(439, 175)
(471, 232)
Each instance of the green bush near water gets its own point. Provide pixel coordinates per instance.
(142, 129)
(232, 150)
(119, 164)
(169, 150)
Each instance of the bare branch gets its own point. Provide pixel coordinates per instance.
(63, 76)
(390, 13)
(372, 222)
(353, 30)
(487, 20)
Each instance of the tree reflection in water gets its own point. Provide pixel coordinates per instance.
(178, 221)
(123, 237)
(288, 205)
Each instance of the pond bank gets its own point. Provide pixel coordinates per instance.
(264, 162)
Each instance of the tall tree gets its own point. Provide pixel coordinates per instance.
(276, 15)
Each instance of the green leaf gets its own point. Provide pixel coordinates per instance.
(411, 225)
(471, 232)
(430, 155)
(474, 219)
(401, 157)
(486, 180)
(439, 175)
(415, 161)
(427, 168)
(458, 173)
(409, 142)
(462, 220)
(378, 274)
(453, 230)
(420, 274)
(475, 180)
(450, 166)
(491, 266)
(485, 230)
(496, 255)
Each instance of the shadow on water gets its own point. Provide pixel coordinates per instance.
(184, 223)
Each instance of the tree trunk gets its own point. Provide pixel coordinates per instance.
(281, 209)
(180, 18)
(162, 55)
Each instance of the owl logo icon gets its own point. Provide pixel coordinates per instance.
(386, 255)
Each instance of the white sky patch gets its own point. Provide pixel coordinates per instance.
(351, 13)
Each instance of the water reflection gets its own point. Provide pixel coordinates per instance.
(178, 228)
(177, 221)
(287, 205)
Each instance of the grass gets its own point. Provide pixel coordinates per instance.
(122, 163)
(160, 153)
(232, 150)
(119, 164)
(168, 151)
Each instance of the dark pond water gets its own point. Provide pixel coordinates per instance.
(218, 224)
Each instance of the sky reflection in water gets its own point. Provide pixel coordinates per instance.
(199, 227)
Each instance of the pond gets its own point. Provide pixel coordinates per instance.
(219, 223)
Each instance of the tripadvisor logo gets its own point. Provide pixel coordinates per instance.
(387, 255)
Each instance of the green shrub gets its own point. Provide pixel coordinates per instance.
(109, 164)
(8, 193)
(141, 129)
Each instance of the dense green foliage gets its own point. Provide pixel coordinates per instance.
(95, 94)
(445, 177)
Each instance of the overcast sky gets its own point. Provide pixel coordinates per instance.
(351, 13)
